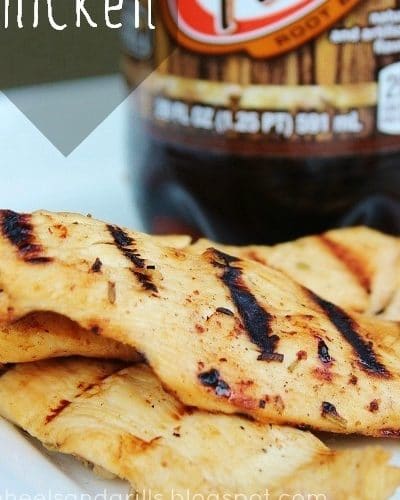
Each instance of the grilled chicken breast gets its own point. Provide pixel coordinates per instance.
(223, 334)
(355, 268)
(122, 420)
(47, 335)
(173, 240)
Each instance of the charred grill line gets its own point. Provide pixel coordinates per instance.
(84, 387)
(18, 229)
(96, 266)
(256, 320)
(224, 310)
(145, 281)
(125, 244)
(367, 358)
(323, 352)
(350, 260)
(213, 379)
(329, 411)
(63, 404)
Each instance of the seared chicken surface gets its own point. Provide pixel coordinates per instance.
(173, 240)
(355, 268)
(122, 420)
(47, 335)
(222, 334)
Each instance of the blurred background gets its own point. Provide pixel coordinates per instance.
(67, 122)
(92, 179)
(39, 55)
(48, 77)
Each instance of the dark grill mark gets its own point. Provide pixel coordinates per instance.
(145, 281)
(328, 411)
(212, 379)
(348, 328)
(225, 311)
(323, 352)
(353, 263)
(18, 229)
(38, 260)
(121, 238)
(97, 265)
(64, 403)
(126, 246)
(124, 242)
(83, 388)
(256, 320)
(223, 389)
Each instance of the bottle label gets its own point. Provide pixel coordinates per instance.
(389, 100)
(262, 28)
(276, 76)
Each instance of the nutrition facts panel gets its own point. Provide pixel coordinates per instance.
(389, 100)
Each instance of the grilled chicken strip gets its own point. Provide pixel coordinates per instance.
(355, 268)
(173, 240)
(47, 335)
(123, 421)
(223, 334)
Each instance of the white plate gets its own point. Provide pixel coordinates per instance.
(30, 472)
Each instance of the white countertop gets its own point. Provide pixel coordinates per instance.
(94, 178)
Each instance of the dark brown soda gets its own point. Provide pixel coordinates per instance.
(242, 198)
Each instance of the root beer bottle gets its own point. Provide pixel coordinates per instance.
(269, 119)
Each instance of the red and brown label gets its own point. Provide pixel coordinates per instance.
(263, 28)
(282, 73)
